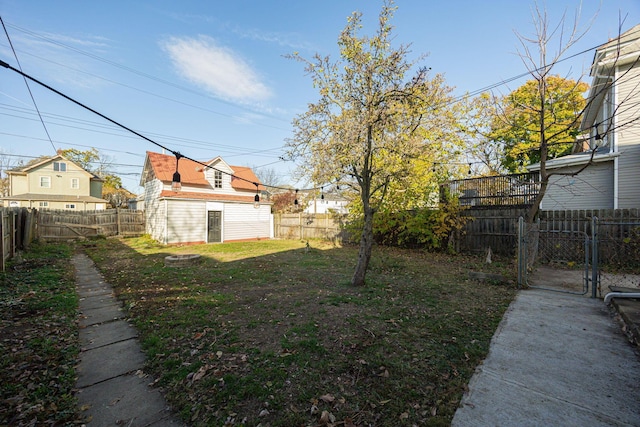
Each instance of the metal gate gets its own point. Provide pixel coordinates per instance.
(617, 248)
(602, 258)
(556, 260)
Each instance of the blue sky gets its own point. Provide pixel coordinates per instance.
(210, 78)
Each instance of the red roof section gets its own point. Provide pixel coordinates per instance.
(246, 174)
(164, 165)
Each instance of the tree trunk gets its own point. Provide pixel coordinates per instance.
(366, 245)
(535, 208)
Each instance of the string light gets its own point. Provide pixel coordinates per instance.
(176, 185)
(256, 199)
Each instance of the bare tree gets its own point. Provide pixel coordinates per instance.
(540, 54)
(6, 163)
(269, 177)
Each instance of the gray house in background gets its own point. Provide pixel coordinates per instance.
(612, 121)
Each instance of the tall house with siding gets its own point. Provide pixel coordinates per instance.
(215, 202)
(54, 183)
(612, 120)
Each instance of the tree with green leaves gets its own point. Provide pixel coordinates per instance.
(114, 193)
(377, 113)
(83, 158)
(517, 123)
(540, 120)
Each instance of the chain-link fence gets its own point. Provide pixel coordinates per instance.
(618, 248)
(557, 260)
(604, 257)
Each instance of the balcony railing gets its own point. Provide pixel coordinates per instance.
(516, 190)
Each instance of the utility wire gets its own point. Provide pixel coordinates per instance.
(15, 55)
(175, 153)
(183, 142)
(137, 72)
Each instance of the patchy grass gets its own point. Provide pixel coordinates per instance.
(39, 339)
(272, 333)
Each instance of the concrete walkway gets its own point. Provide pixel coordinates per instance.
(112, 388)
(555, 360)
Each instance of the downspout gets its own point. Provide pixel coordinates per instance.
(610, 295)
(614, 148)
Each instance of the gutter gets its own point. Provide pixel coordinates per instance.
(575, 160)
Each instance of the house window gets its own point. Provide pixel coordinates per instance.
(603, 130)
(45, 181)
(43, 204)
(59, 166)
(75, 183)
(70, 206)
(217, 179)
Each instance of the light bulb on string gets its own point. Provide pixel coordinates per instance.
(176, 185)
(256, 199)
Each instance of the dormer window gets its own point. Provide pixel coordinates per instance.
(59, 166)
(217, 179)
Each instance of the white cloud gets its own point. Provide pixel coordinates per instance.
(216, 68)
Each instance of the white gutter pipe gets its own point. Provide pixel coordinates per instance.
(610, 295)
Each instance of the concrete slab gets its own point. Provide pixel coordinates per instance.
(89, 291)
(119, 401)
(106, 333)
(556, 359)
(103, 314)
(110, 354)
(96, 301)
(108, 362)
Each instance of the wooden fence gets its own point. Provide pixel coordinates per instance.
(498, 228)
(70, 225)
(308, 226)
(17, 230)
(490, 228)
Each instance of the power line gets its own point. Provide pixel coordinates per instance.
(166, 98)
(177, 154)
(15, 55)
(138, 72)
(192, 143)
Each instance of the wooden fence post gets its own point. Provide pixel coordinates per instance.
(118, 221)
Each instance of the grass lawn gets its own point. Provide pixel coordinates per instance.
(38, 339)
(272, 333)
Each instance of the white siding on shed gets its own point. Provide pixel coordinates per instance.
(242, 222)
(154, 211)
(185, 221)
(590, 189)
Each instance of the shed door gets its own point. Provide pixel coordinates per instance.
(214, 226)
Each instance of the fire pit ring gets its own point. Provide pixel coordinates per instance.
(185, 260)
